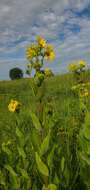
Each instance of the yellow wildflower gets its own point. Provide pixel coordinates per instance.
(48, 72)
(51, 57)
(49, 52)
(31, 51)
(82, 63)
(14, 106)
(85, 93)
(41, 41)
(73, 67)
(49, 48)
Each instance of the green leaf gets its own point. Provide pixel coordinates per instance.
(66, 176)
(87, 183)
(50, 157)
(62, 164)
(34, 186)
(52, 187)
(35, 121)
(87, 133)
(41, 166)
(2, 179)
(44, 188)
(56, 179)
(84, 151)
(21, 152)
(20, 136)
(45, 145)
(10, 169)
(13, 175)
(88, 150)
(87, 119)
(24, 173)
(6, 149)
(85, 158)
(33, 87)
(35, 139)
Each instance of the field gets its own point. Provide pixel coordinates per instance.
(67, 122)
(58, 88)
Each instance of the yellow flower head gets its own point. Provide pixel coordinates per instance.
(86, 92)
(83, 95)
(82, 63)
(41, 41)
(31, 51)
(49, 53)
(49, 48)
(48, 72)
(73, 67)
(14, 106)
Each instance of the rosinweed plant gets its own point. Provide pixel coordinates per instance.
(84, 151)
(77, 68)
(37, 53)
(83, 92)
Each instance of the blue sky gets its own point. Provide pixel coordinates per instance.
(64, 23)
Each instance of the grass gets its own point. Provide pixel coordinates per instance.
(58, 88)
(67, 113)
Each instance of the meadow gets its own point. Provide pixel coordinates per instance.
(67, 122)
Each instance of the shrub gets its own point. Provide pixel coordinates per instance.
(15, 73)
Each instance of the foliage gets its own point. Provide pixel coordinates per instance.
(84, 151)
(43, 163)
(39, 78)
(38, 144)
(15, 73)
(14, 169)
(46, 152)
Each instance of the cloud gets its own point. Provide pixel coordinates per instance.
(64, 23)
(6, 65)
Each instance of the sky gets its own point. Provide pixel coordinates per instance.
(63, 23)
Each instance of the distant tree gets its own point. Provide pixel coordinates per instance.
(15, 73)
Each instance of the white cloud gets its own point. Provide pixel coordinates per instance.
(21, 20)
